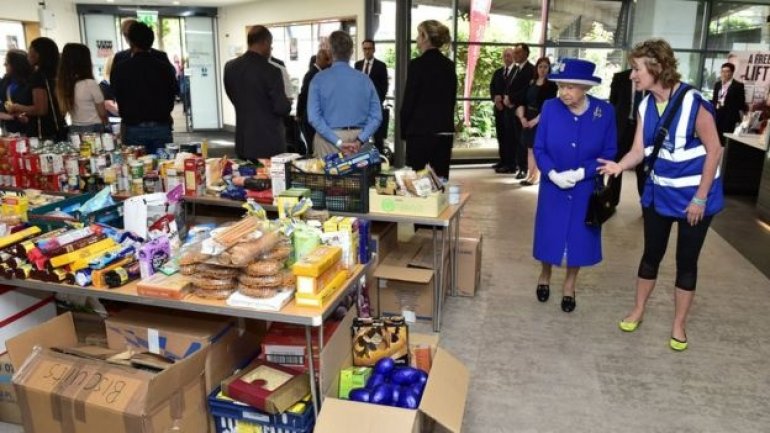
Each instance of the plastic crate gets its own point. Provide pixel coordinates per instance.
(228, 414)
(110, 215)
(348, 193)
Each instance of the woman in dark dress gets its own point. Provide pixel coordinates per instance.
(14, 87)
(540, 89)
(45, 120)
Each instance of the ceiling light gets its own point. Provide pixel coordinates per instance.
(176, 3)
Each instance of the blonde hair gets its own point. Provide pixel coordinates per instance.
(437, 33)
(659, 59)
(107, 68)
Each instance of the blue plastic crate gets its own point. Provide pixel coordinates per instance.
(228, 414)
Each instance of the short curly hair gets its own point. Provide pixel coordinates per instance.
(659, 59)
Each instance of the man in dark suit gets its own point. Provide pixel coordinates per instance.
(729, 100)
(255, 88)
(497, 90)
(516, 151)
(625, 98)
(323, 61)
(378, 73)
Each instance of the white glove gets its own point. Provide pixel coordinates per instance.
(563, 180)
(576, 175)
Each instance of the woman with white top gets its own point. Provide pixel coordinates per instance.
(78, 93)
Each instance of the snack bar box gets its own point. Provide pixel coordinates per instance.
(60, 393)
(443, 403)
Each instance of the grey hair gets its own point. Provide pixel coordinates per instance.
(341, 45)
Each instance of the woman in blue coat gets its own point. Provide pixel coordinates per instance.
(574, 130)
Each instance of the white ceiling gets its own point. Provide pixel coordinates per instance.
(206, 3)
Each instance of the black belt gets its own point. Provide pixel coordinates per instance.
(347, 128)
(149, 124)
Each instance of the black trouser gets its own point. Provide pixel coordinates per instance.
(511, 133)
(500, 131)
(435, 150)
(308, 132)
(382, 131)
(689, 242)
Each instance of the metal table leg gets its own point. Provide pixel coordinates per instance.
(436, 282)
(314, 393)
(455, 252)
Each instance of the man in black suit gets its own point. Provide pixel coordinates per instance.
(322, 61)
(255, 88)
(378, 73)
(729, 100)
(497, 90)
(516, 151)
(625, 98)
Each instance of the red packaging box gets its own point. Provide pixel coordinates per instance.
(268, 387)
(194, 176)
(285, 344)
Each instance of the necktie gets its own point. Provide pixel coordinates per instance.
(631, 113)
(367, 65)
(505, 74)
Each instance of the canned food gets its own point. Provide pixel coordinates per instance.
(71, 164)
(95, 141)
(123, 184)
(75, 139)
(84, 166)
(108, 143)
(116, 158)
(110, 175)
(137, 170)
(86, 146)
(149, 162)
(171, 150)
(151, 183)
(172, 179)
(32, 163)
(46, 163)
(34, 143)
(137, 186)
(101, 162)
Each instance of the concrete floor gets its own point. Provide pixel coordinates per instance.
(536, 369)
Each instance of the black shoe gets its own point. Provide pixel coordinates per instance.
(504, 170)
(497, 165)
(543, 291)
(521, 175)
(568, 304)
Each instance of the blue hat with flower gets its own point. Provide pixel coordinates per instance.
(576, 71)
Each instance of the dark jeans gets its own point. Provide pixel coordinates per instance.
(151, 135)
(511, 140)
(435, 150)
(689, 242)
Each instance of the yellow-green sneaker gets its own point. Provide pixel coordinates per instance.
(629, 326)
(677, 345)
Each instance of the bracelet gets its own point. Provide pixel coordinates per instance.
(698, 201)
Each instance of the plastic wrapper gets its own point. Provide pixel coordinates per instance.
(259, 292)
(265, 281)
(246, 252)
(208, 283)
(99, 201)
(263, 268)
(306, 239)
(218, 294)
(191, 254)
(281, 252)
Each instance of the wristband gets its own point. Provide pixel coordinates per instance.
(697, 201)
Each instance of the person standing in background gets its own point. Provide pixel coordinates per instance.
(498, 88)
(109, 95)
(255, 88)
(430, 95)
(625, 97)
(77, 91)
(539, 91)
(323, 59)
(15, 87)
(729, 100)
(343, 105)
(145, 90)
(43, 118)
(377, 71)
(523, 72)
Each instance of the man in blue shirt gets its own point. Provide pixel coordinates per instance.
(343, 105)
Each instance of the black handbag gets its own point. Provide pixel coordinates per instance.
(600, 207)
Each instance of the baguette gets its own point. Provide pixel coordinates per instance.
(245, 253)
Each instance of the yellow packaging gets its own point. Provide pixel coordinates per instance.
(97, 276)
(349, 224)
(317, 262)
(15, 205)
(320, 300)
(19, 236)
(84, 262)
(87, 252)
(332, 224)
(314, 285)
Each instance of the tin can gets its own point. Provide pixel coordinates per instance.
(116, 158)
(73, 182)
(108, 143)
(71, 166)
(101, 162)
(172, 179)
(149, 162)
(162, 155)
(110, 175)
(34, 143)
(85, 145)
(92, 164)
(123, 184)
(75, 139)
(46, 163)
(151, 183)
(95, 141)
(22, 146)
(57, 163)
(84, 166)
(172, 150)
(137, 186)
(137, 170)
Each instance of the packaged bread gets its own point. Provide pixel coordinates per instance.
(218, 294)
(207, 283)
(259, 292)
(193, 256)
(281, 252)
(245, 252)
(263, 268)
(264, 281)
(213, 271)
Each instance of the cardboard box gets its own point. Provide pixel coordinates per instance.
(469, 249)
(60, 393)
(267, 386)
(178, 337)
(384, 239)
(431, 206)
(402, 290)
(9, 408)
(442, 405)
(20, 310)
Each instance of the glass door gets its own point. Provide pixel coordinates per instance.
(201, 71)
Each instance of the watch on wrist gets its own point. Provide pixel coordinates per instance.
(339, 142)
